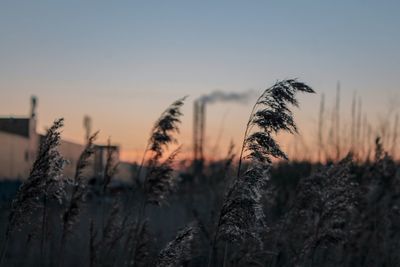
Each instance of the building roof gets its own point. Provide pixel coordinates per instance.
(17, 126)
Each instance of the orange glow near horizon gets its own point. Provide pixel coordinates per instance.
(123, 64)
(224, 123)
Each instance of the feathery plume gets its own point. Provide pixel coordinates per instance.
(79, 189)
(326, 199)
(270, 115)
(164, 128)
(44, 180)
(242, 212)
(242, 216)
(178, 250)
(159, 180)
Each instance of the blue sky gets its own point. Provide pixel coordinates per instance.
(123, 61)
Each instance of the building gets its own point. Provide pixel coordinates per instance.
(19, 144)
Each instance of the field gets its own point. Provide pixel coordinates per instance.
(257, 208)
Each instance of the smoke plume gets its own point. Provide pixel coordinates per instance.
(220, 96)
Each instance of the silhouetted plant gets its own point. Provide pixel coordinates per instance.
(44, 179)
(112, 233)
(324, 203)
(79, 187)
(343, 214)
(44, 182)
(271, 114)
(110, 168)
(78, 194)
(178, 250)
(242, 212)
(144, 246)
(242, 215)
(159, 181)
(375, 238)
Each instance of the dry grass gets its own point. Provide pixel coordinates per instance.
(344, 213)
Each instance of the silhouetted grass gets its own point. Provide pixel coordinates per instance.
(271, 213)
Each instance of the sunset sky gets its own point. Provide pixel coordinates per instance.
(123, 62)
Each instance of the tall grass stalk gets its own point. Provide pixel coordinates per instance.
(241, 214)
(321, 127)
(110, 169)
(44, 182)
(337, 123)
(158, 180)
(78, 194)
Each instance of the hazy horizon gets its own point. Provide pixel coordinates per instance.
(123, 64)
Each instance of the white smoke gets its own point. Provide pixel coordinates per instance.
(220, 96)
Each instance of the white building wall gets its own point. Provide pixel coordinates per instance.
(16, 156)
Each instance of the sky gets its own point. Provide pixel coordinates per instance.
(124, 62)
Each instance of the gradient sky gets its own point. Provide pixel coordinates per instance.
(123, 62)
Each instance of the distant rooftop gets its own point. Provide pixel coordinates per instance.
(18, 126)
